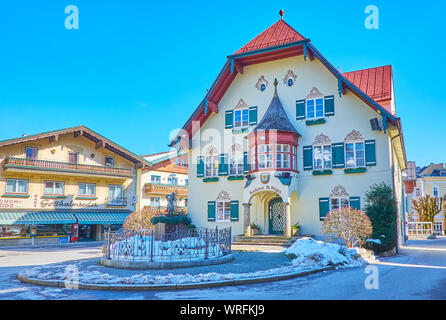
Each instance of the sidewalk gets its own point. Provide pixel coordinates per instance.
(52, 245)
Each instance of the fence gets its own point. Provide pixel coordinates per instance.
(419, 229)
(189, 244)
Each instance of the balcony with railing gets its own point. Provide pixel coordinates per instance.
(67, 167)
(159, 188)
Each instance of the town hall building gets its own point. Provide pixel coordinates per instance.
(282, 136)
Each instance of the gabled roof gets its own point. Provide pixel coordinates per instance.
(375, 82)
(270, 50)
(275, 118)
(85, 132)
(162, 156)
(432, 170)
(278, 34)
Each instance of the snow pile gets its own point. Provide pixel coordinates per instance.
(307, 252)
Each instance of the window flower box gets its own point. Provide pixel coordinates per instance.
(355, 170)
(314, 122)
(213, 179)
(322, 172)
(231, 178)
(240, 130)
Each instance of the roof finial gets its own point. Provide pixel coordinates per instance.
(281, 12)
(275, 86)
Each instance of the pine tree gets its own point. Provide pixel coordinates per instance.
(381, 208)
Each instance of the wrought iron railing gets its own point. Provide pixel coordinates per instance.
(67, 166)
(189, 244)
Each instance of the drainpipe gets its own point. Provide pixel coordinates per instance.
(398, 222)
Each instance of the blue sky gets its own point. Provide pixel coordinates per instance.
(136, 70)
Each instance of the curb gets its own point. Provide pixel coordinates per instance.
(144, 287)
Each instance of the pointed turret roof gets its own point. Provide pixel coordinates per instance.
(275, 117)
(278, 34)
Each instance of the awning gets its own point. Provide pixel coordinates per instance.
(101, 217)
(36, 218)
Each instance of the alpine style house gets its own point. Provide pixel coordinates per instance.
(283, 136)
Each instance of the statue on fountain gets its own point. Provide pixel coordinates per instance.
(171, 199)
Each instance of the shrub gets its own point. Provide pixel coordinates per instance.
(380, 207)
(351, 225)
(172, 219)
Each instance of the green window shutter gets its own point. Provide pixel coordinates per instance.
(245, 162)
(223, 165)
(252, 115)
(300, 109)
(338, 155)
(308, 157)
(370, 153)
(329, 106)
(234, 210)
(211, 210)
(324, 207)
(229, 119)
(200, 167)
(355, 203)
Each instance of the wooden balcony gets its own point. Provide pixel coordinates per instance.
(158, 188)
(66, 167)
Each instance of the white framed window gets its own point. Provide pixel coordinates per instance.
(354, 155)
(86, 189)
(435, 191)
(115, 194)
(241, 118)
(235, 164)
(322, 157)
(17, 186)
(223, 211)
(265, 156)
(54, 187)
(211, 163)
(154, 201)
(294, 158)
(315, 108)
(339, 203)
(283, 156)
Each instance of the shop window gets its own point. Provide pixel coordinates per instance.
(115, 195)
(54, 188)
(86, 189)
(16, 186)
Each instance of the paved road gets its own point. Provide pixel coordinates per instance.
(418, 272)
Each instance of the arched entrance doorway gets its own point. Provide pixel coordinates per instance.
(276, 215)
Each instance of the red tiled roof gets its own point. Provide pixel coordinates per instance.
(375, 82)
(278, 34)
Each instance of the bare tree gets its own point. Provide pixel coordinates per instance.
(139, 220)
(427, 207)
(349, 224)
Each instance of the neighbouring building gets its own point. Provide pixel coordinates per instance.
(65, 185)
(282, 136)
(168, 174)
(430, 180)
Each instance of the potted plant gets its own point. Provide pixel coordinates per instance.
(296, 228)
(255, 229)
